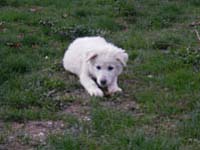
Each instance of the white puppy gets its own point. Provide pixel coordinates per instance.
(96, 62)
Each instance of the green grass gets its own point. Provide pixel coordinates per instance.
(162, 78)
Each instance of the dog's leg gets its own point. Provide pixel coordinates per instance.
(114, 87)
(90, 86)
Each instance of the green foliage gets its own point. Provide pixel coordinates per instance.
(73, 32)
(69, 32)
(158, 108)
(166, 16)
(69, 142)
(53, 84)
(190, 128)
(138, 140)
(109, 121)
(189, 56)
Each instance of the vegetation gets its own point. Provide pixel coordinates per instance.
(159, 108)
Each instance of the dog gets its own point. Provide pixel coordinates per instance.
(97, 63)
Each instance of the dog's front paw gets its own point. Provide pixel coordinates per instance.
(95, 92)
(114, 89)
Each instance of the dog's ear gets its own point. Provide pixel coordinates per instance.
(122, 57)
(91, 56)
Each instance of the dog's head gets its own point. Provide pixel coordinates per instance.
(105, 66)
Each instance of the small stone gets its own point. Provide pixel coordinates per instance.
(33, 10)
(49, 124)
(64, 15)
(86, 118)
(62, 125)
(150, 76)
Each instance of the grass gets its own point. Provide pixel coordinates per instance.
(159, 108)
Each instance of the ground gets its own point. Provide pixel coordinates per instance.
(45, 107)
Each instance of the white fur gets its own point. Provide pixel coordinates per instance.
(95, 62)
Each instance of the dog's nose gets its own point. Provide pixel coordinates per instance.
(103, 82)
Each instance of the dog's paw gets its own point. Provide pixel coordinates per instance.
(114, 89)
(95, 92)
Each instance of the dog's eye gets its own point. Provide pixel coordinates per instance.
(110, 68)
(98, 67)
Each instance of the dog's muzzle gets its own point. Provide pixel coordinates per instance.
(103, 83)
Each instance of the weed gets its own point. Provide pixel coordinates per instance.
(189, 56)
(73, 32)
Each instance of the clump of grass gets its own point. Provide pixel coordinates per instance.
(167, 40)
(122, 140)
(107, 121)
(107, 24)
(190, 128)
(21, 115)
(136, 41)
(15, 15)
(194, 2)
(83, 12)
(72, 32)
(3, 3)
(126, 8)
(53, 83)
(17, 64)
(31, 40)
(2, 139)
(166, 16)
(189, 56)
(68, 141)
(137, 139)
(181, 80)
(48, 22)
(133, 55)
